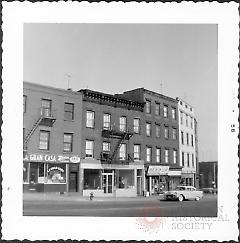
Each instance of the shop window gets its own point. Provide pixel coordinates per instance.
(37, 173)
(126, 179)
(136, 150)
(46, 107)
(174, 116)
(92, 179)
(158, 155)
(56, 173)
(44, 140)
(158, 131)
(90, 119)
(106, 121)
(174, 156)
(166, 155)
(67, 142)
(157, 109)
(136, 125)
(148, 129)
(24, 104)
(89, 149)
(123, 123)
(148, 106)
(25, 172)
(166, 132)
(123, 151)
(165, 111)
(68, 111)
(148, 154)
(174, 131)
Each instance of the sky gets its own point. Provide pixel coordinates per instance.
(177, 60)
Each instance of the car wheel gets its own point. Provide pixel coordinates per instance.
(180, 198)
(197, 198)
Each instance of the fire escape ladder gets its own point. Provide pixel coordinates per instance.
(35, 125)
(118, 145)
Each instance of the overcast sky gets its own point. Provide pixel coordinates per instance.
(113, 58)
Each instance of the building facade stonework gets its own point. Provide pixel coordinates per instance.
(110, 145)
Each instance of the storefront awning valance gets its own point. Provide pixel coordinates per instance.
(174, 173)
(156, 170)
(51, 158)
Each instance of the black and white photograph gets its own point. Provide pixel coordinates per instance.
(123, 122)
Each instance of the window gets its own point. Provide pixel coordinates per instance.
(55, 174)
(157, 109)
(192, 160)
(165, 111)
(136, 151)
(158, 131)
(148, 154)
(46, 107)
(123, 123)
(89, 149)
(166, 132)
(106, 147)
(186, 120)
(174, 113)
(136, 125)
(191, 122)
(192, 140)
(166, 155)
(158, 155)
(106, 121)
(182, 137)
(188, 160)
(67, 142)
(148, 106)
(90, 119)
(68, 111)
(24, 104)
(174, 131)
(44, 140)
(182, 158)
(123, 151)
(187, 139)
(174, 156)
(148, 129)
(181, 118)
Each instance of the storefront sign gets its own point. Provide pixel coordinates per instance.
(157, 170)
(55, 168)
(51, 158)
(174, 173)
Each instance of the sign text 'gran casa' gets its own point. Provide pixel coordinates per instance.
(51, 158)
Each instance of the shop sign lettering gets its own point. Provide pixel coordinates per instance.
(158, 170)
(51, 158)
(55, 168)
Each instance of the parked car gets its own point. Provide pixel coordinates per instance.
(183, 193)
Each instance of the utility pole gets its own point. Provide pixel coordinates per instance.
(68, 80)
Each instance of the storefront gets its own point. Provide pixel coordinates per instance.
(114, 180)
(48, 172)
(160, 178)
(188, 178)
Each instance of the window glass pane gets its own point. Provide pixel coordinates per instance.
(68, 111)
(122, 152)
(106, 121)
(136, 125)
(56, 173)
(148, 106)
(106, 146)
(123, 123)
(157, 109)
(165, 111)
(136, 149)
(92, 179)
(90, 119)
(148, 129)
(25, 172)
(44, 140)
(89, 149)
(126, 179)
(158, 131)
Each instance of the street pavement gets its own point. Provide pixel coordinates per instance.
(52, 204)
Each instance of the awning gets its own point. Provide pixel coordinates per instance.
(156, 170)
(174, 173)
(187, 175)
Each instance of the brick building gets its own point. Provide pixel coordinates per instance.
(51, 138)
(160, 139)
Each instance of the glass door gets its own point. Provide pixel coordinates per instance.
(107, 182)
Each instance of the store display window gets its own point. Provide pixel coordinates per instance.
(126, 179)
(56, 173)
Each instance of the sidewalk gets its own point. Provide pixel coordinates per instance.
(71, 196)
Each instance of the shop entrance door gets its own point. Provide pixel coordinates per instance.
(139, 185)
(107, 182)
(73, 182)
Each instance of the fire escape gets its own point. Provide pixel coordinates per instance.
(45, 119)
(110, 134)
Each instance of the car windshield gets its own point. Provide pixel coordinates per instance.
(180, 188)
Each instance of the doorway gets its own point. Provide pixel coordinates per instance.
(107, 182)
(139, 185)
(73, 181)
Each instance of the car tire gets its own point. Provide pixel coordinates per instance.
(197, 198)
(180, 198)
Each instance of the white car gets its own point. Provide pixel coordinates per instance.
(184, 193)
